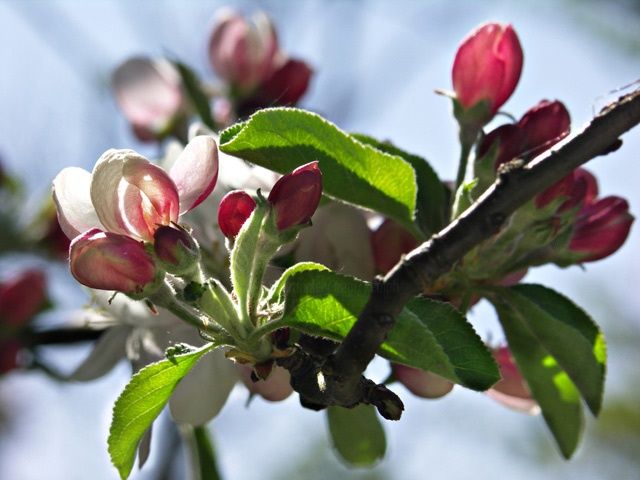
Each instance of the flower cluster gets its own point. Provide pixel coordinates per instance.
(111, 212)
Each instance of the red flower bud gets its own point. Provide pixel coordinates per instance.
(22, 297)
(110, 261)
(420, 383)
(287, 84)
(487, 66)
(9, 350)
(296, 195)
(388, 243)
(177, 251)
(512, 390)
(544, 125)
(540, 127)
(509, 143)
(235, 208)
(579, 187)
(601, 228)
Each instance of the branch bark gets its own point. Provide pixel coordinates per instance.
(341, 377)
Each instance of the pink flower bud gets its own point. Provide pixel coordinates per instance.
(275, 388)
(601, 228)
(22, 297)
(420, 383)
(544, 125)
(110, 261)
(235, 208)
(296, 195)
(388, 243)
(177, 251)
(242, 53)
(287, 84)
(512, 390)
(487, 66)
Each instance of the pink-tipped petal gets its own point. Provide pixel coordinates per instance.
(158, 188)
(71, 193)
(195, 172)
(106, 189)
(148, 92)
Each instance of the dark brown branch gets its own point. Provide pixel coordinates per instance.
(342, 380)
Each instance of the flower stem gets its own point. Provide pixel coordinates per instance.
(203, 455)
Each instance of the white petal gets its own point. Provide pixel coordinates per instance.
(71, 192)
(195, 171)
(105, 183)
(108, 350)
(339, 239)
(203, 392)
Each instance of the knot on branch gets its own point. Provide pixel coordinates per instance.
(319, 386)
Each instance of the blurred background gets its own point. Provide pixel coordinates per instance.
(376, 65)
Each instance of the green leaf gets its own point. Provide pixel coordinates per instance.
(141, 402)
(550, 385)
(282, 139)
(206, 454)
(568, 333)
(196, 95)
(429, 335)
(431, 203)
(357, 435)
(275, 292)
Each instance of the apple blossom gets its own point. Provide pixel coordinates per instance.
(149, 92)
(128, 195)
(243, 53)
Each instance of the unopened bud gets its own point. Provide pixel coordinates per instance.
(21, 297)
(296, 195)
(512, 390)
(420, 383)
(110, 261)
(275, 388)
(235, 208)
(601, 228)
(487, 66)
(388, 243)
(176, 249)
(287, 84)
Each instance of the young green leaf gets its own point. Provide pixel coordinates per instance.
(357, 434)
(432, 201)
(282, 139)
(429, 335)
(550, 385)
(141, 402)
(275, 292)
(568, 333)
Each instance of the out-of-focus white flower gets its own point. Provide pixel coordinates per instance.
(142, 337)
(339, 239)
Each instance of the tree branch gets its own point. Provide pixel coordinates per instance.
(342, 381)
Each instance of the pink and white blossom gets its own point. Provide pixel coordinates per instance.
(128, 195)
